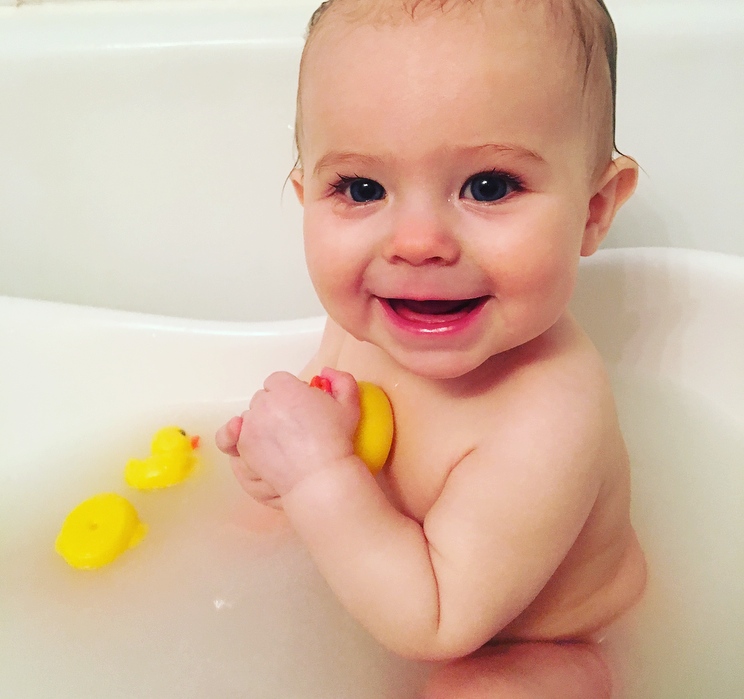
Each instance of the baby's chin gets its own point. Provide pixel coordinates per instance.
(437, 365)
(433, 364)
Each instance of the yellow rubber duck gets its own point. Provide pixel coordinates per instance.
(374, 433)
(171, 460)
(98, 531)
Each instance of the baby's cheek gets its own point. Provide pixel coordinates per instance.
(548, 271)
(536, 294)
(325, 273)
(335, 288)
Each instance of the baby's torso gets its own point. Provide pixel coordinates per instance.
(604, 572)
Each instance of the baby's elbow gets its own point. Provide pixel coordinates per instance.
(438, 646)
(447, 633)
(439, 653)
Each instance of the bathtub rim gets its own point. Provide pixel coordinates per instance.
(695, 264)
(671, 302)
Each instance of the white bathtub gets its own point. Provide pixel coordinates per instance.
(219, 601)
(144, 149)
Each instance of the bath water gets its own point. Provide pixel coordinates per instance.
(220, 600)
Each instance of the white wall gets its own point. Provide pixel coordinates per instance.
(143, 153)
(680, 109)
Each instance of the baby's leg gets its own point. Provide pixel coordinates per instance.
(525, 671)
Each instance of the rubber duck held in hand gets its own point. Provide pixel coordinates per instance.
(171, 460)
(374, 433)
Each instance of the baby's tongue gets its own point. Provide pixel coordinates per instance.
(430, 308)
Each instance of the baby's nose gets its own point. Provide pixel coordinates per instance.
(421, 239)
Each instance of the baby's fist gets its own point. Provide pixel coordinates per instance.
(293, 430)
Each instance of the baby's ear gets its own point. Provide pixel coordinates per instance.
(613, 190)
(298, 183)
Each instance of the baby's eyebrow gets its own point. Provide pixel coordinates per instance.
(507, 149)
(337, 159)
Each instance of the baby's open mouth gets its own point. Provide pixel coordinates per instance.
(435, 310)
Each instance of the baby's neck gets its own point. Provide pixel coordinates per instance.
(369, 362)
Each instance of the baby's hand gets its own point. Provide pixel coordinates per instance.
(227, 442)
(290, 432)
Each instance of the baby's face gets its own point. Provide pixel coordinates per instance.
(446, 182)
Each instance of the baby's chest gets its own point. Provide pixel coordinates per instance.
(433, 430)
(428, 444)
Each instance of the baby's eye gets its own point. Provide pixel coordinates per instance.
(489, 186)
(360, 189)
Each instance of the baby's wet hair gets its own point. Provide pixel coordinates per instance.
(591, 28)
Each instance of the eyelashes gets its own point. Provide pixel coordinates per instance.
(491, 186)
(487, 186)
(343, 181)
(360, 190)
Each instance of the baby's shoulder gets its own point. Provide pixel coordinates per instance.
(543, 414)
(563, 363)
(555, 395)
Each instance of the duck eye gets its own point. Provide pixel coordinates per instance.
(182, 432)
(486, 186)
(363, 190)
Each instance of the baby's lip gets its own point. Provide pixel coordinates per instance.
(429, 317)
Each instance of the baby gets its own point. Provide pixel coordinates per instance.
(455, 161)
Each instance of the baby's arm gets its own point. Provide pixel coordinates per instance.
(506, 518)
(508, 513)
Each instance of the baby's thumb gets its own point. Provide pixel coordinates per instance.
(344, 389)
(227, 436)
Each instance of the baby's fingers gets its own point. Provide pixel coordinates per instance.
(256, 487)
(227, 436)
(344, 388)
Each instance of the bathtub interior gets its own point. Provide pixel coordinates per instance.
(144, 150)
(221, 598)
(145, 147)
(671, 334)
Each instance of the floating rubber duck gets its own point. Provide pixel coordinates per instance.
(171, 460)
(374, 433)
(98, 531)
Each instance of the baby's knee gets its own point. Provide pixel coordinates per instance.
(525, 671)
(594, 670)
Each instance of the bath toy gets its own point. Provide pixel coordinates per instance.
(171, 460)
(374, 433)
(98, 531)
(322, 383)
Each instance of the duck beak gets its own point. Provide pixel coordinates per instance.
(195, 441)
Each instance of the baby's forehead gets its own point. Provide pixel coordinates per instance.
(583, 28)
(456, 40)
(572, 41)
(561, 19)
(550, 24)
